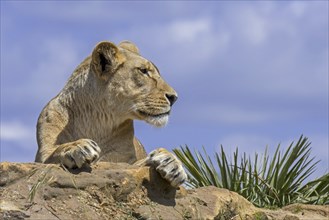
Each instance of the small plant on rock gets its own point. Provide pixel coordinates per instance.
(264, 181)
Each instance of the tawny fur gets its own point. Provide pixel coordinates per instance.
(91, 119)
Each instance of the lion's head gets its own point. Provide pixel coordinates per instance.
(132, 83)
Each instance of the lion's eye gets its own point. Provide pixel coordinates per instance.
(143, 70)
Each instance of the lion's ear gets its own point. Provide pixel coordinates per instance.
(106, 58)
(129, 46)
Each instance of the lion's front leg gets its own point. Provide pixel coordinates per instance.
(75, 154)
(167, 164)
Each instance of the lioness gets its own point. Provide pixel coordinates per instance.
(91, 119)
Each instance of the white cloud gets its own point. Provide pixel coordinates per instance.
(86, 12)
(253, 26)
(45, 71)
(225, 114)
(58, 59)
(189, 31)
(17, 137)
(235, 115)
(187, 44)
(250, 143)
(15, 131)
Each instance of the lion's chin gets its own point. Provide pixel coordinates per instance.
(158, 121)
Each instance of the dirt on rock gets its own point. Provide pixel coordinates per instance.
(123, 191)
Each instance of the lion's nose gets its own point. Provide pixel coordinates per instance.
(171, 98)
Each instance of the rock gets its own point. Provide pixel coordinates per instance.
(122, 191)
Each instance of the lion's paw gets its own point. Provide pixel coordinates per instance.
(167, 164)
(80, 153)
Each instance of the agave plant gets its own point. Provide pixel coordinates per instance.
(316, 191)
(268, 182)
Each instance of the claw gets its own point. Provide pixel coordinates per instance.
(80, 153)
(174, 170)
(168, 166)
(85, 148)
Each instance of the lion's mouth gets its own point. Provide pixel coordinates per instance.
(154, 115)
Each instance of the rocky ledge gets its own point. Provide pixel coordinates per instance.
(122, 191)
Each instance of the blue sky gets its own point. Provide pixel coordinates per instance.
(248, 73)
